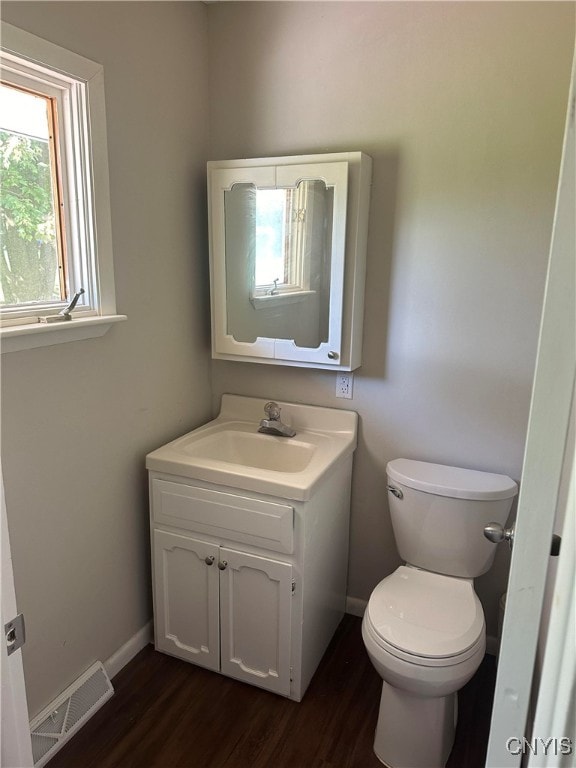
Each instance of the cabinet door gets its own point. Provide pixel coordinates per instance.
(327, 347)
(186, 598)
(255, 615)
(231, 272)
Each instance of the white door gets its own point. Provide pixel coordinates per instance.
(554, 711)
(255, 608)
(186, 598)
(16, 748)
(541, 478)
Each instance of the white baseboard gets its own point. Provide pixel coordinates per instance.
(356, 606)
(126, 653)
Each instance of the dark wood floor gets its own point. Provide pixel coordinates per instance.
(169, 714)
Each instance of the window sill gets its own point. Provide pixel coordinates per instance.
(280, 299)
(18, 337)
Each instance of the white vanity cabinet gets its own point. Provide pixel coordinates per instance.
(224, 609)
(249, 537)
(249, 585)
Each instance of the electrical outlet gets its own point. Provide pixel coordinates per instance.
(344, 383)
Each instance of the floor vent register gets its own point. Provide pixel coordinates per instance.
(56, 724)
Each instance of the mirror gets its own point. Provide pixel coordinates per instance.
(287, 258)
(278, 261)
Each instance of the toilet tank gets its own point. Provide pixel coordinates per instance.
(439, 513)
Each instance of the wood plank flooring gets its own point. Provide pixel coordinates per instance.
(170, 714)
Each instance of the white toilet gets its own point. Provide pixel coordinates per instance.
(424, 625)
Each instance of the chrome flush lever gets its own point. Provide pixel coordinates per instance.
(395, 491)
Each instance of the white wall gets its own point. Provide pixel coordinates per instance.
(78, 419)
(461, 106)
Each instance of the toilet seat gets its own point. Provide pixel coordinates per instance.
(426, 618)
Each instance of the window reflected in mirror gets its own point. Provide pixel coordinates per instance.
(273, 234)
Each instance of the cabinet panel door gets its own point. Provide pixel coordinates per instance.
(256, 603)
(229, 251)
(186, 598)
(335, 176)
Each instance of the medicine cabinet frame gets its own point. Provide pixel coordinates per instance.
(348, 177)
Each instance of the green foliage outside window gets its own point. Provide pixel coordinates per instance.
(29, 251)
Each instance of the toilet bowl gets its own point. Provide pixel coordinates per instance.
(425, 636)
(424, 631)
(424, 628)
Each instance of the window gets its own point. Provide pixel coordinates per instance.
(32, 261)
(54, 197)
(280, 228)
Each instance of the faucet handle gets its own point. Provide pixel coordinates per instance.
(272, 410)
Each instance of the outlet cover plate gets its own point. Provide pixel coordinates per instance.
(344, 382)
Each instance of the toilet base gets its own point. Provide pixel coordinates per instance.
(414, 732)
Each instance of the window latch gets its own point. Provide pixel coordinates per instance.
(66, 313)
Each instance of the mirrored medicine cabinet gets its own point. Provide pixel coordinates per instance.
(287, 258)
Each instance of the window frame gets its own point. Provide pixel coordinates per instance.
(10, 314)
(78, 85)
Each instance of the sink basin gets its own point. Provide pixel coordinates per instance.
(247, 449)
(230, 451)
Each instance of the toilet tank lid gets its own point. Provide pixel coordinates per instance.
(454, 482)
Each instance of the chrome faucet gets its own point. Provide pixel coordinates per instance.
(272, 425)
